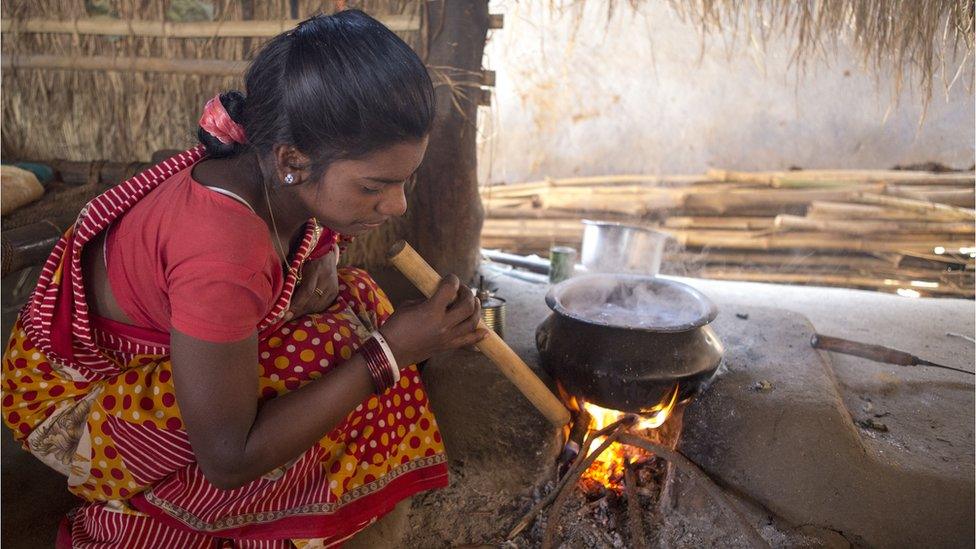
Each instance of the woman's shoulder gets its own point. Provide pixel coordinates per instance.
(202, 223)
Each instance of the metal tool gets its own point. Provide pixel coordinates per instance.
(877, 353)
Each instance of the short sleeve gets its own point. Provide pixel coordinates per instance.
(218, 301)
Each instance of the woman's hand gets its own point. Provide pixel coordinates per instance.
(448, 320)
(319, 287)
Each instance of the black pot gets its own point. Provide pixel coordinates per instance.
(628, 361)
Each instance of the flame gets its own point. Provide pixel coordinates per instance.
(608, 468)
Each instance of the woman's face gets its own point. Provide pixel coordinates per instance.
(354, 196)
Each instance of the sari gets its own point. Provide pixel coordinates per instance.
(94, 399)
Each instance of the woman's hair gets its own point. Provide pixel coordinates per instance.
(337, 86)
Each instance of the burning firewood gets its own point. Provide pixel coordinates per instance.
(574, 472)
(637, 535)
(620, 431)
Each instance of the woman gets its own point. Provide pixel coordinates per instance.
(131, 369)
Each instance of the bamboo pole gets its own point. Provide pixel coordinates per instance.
(108, 26)
(426, 279)
(623, 206)
(514, 191)
(742, 240)
(506, 202)
(790, 222)
(722, 201)
(891, 284)
(919, 206)
(963, 198)
(845, 210)
(492, 212)
(777, 260)
(800, 178)
(645, 181)
(719, 222)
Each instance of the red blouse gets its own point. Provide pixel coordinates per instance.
(191, 258)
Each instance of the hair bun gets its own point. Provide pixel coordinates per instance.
(233, 102)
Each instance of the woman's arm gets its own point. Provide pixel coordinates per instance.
(236, 441)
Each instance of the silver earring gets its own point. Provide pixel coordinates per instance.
(289, 179)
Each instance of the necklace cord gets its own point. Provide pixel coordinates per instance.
(277, 238)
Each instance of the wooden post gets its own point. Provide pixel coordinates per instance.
(444, 215)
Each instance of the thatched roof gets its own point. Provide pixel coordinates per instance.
(916, 39)
(161, 75)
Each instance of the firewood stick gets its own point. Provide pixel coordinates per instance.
(665, 499)
(573, 476)
(637, 535)
(581, 458)
(426, 279)
(699, 476)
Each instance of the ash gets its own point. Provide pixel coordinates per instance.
(674, 512)
(596, 516)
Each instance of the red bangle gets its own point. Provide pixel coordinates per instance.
(380, 369)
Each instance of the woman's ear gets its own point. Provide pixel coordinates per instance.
(291, 166)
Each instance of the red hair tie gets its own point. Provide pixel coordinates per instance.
(219, 124)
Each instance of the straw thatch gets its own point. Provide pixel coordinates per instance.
(913, 39)
(48, 112)
(916, 39)
(127, 114)
(117, 80)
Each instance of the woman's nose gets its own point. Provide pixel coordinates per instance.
(394, 202)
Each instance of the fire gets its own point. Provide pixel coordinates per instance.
(608, 468)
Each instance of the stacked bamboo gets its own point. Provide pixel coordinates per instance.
(891, 230)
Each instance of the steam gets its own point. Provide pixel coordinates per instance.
(631, 302)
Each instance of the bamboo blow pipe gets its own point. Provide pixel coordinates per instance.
(426, 279)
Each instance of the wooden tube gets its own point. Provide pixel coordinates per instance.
(426, 279)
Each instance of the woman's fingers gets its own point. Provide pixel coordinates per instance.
(464, 305)
(319, 289)
(470, 338)
(446, 290)
(467, 326)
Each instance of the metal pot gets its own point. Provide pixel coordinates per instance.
(610, 247)
(628, 362)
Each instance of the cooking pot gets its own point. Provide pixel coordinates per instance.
(623, 341)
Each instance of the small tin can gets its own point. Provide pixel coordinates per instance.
(562, 263)
(493, 312)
